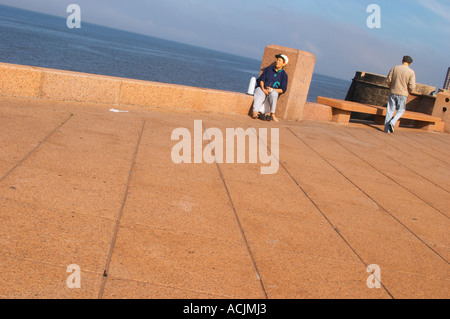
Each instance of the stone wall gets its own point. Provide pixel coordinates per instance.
(372, 89)
(369, 88)
(49, 84)
(58, 85)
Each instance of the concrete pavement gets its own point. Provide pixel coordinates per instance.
(81, 185)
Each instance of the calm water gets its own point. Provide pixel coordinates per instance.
(36, 39)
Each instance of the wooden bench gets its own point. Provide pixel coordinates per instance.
(342, 111)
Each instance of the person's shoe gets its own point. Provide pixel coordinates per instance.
(268, 117)
(261, 116)
(391, 128)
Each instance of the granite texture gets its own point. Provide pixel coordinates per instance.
(78, 87)
(20, 81)
(59, 85)
(300, 70)
(81, 185)
(442, 109)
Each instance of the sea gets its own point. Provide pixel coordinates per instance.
(36, 39)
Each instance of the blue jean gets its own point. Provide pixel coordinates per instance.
(395, 103)
(260, 100)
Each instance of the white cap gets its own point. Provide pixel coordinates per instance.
(285, 58)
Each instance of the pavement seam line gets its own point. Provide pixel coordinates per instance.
(119, 217)
(401, 164)
(436, 136)
(41, 84)
(425, 178)
(372, 199)
(324, 215)
(384, 209)
(425, 152)
(406, 145)
(389, 178)
(428, 146)
(35, 148)
(255, 267)
(406, 153)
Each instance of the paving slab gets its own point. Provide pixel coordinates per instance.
(29, 279)
(60, 238)
(21, 130)
(131, 289)
(82, 185)
(181, 260)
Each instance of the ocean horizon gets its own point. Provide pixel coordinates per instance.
(42, 40)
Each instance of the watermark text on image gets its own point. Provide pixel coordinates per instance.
(374, 280)
(374, 20)
(74, 19)
(214, 151)
(238, 309)
(74, 279)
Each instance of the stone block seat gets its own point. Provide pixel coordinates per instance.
(342, 111)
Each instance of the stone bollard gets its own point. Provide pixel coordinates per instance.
(300, 70)
(442, 108)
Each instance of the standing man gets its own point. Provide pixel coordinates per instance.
(401, 81)
(271, 84)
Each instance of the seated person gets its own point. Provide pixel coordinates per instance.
(272, 82)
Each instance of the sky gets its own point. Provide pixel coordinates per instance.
(335, 31)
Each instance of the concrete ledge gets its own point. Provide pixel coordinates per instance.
(79, 87)
(59, 85)
(141, 93)
(209, 100)
(20, 81)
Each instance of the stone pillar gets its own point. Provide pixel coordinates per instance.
(442, 108)
(300, 70)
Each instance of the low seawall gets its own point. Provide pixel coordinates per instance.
(57, 85)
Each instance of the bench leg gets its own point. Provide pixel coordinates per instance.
(425, 126)
(432, 126)
(341, 116)
(439, 126)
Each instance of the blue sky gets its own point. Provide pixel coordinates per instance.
(335, 31)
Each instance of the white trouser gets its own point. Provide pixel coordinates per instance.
(260, 101)
(395, 103)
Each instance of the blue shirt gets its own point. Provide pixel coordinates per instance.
(274, 79)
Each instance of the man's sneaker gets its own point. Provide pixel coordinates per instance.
(391, 128)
